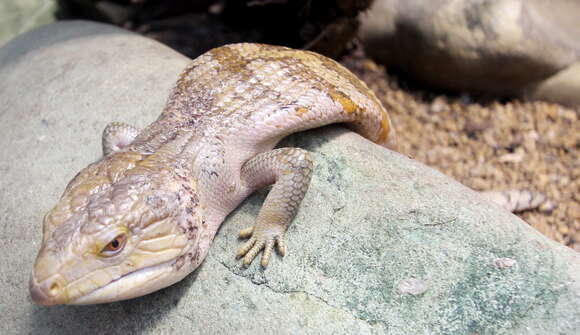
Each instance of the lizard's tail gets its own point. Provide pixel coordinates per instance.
(366, 124)
(358, 109)
(351, 101)
(320, 91)
(344, 98)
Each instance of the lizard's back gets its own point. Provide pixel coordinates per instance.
(255, 94)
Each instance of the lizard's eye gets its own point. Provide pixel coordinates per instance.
(115, 246)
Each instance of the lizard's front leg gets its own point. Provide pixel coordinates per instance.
(118, 135)
(290, 169)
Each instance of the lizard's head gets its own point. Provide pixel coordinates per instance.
(118, 232)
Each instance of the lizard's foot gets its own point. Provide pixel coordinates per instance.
(290, 169)
(262, 237)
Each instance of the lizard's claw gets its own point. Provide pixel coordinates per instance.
(260, 239)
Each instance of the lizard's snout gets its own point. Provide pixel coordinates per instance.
(49, 292)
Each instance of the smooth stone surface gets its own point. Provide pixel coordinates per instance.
(503, 47)
(563, 87)
(19, 16)
(381, 245)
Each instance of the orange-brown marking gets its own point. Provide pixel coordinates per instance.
(385, 128)
(347, 104)
(300, 111)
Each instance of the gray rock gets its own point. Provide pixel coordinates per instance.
(19, 16)
(501, 47)
(563, 87)
(382, 244)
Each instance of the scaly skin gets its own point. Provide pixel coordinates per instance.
(144, 216)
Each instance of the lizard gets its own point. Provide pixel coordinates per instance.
(143, 216)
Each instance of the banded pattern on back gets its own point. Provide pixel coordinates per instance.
(242, 87)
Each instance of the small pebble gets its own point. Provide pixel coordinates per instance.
(412, 286)
(504, 263)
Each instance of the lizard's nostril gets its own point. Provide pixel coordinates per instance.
(54, 289)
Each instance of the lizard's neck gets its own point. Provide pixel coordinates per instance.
(195, 156)
(196, 160)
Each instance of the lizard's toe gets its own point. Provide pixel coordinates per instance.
(267, 253)
(259, 245)
(281, 246)
(246, 247)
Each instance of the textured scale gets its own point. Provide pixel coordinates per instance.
(164, 191)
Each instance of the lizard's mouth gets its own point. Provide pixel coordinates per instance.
(131, 285)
